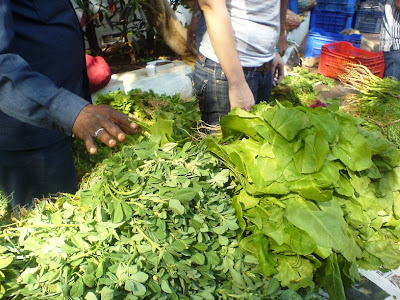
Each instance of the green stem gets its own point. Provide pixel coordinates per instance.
(87, 253)
(111, 193)
(125, 193)
(147, 238)
(39, 226)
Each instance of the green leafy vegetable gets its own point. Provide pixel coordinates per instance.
(319, 197)
(149, 223)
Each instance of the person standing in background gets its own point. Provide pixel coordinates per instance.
(390, 38)
(238, 59)
(44, 99)
(196, 28)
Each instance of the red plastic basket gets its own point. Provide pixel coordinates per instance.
(335, 55)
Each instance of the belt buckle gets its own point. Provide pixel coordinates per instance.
(267, 67)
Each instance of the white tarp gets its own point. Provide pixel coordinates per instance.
(387, 281)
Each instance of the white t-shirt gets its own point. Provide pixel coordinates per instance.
(390, 30)
(256, 26)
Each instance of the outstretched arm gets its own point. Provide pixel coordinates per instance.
(33, 98)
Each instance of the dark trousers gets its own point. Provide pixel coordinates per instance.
(212, 89)
(38, 173)
(392, 63)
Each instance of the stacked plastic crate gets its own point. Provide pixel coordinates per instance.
(368, 18)
(334, 16)
(328, 19)
(336, 55)
(293, 5)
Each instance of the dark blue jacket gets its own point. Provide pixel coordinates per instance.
(43, 81)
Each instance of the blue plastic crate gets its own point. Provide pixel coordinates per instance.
(293, 5)
(368, 21)
(330, 21)
(318, 38)
(346, 6)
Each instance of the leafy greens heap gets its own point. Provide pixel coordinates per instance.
(299, 87)
(145, 107)
(313, 197)
(149, 223)
(320, 194)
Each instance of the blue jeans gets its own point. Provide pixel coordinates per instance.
(36, 173)
(392, 63)
(212, 90)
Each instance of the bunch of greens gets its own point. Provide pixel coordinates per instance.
(377, 100)
(150, 223)
(145, 108)
(298, 87)
(320, 194)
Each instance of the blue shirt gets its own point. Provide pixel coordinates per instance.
(43, 81)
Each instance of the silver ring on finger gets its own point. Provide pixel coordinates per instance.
(98, 131)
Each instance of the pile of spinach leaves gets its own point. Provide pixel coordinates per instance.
(320, 195)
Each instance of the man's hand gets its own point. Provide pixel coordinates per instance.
(397, 4)
(94, 117)
(282, 44)
(278, 69)
(241, 96)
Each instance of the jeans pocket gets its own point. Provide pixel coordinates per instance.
(199, 84)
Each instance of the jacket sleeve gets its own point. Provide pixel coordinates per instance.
(30, 96)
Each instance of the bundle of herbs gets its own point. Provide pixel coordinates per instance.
(144, 107)
(377, 100)
(320, 195)
(147, 106)
(299, 87)
(150, 223)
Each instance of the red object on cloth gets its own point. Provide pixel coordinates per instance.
(317, 103)
(98, 71)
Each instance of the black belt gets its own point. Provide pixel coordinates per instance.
(266, 67)
(255, 69)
